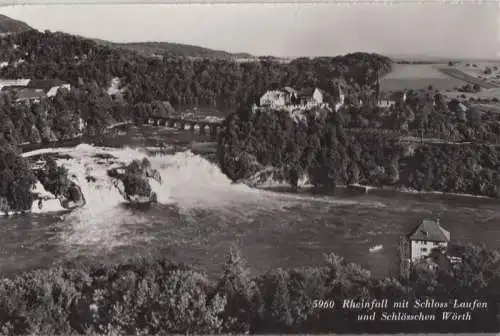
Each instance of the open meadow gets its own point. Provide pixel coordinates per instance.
(419, 76)
(487, 71)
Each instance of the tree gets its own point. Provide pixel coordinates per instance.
(474, 117)
(54, 178)
(279, 310)
(17, 180)
(136, 185)
(243, 297)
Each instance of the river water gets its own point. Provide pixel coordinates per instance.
(201, 213)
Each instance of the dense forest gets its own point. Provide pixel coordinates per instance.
(155, 297)
(148, 85)
(68, 115)
(169, 49)
(224, 84)
(425, 113)
(16, 180)
(320, 148)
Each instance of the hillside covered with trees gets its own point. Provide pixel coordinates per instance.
(223, 84)
(150, 86)
(323, 150)
(150, 297)
(170, 49)
(9, 25)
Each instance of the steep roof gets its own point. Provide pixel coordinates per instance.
(30, 94)
(384, 96)
(308, 92)
(397, 96)
(289, 90)
(44, 84)
(429, 230)
(462, 107)
(457, 106)
(12, 88)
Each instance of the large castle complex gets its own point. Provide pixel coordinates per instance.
(290, 99)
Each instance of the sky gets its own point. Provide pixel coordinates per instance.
(286, 30)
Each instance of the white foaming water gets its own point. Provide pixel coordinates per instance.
(189, 181)
(99, 221)
(270, 177)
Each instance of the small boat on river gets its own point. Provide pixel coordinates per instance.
(376, 248)
(358, 188)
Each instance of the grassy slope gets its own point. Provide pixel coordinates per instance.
(419, 76)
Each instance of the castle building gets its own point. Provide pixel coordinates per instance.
(33, 90)
(387, 100)
(291, 98)
(425, 237)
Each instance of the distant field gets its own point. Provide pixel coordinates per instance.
(484, 94)
(460, 74)
(477, 71)
(418, 76)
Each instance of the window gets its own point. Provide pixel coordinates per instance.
(423, 249)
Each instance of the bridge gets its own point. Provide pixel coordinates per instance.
(211, 128)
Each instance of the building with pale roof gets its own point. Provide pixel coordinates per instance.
(427, 236)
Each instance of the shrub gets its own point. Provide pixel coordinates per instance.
(16, 180)
(55, 178)
(136, 185)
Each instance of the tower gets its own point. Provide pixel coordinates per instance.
(341, 98)
(341, 95)
(377, 85)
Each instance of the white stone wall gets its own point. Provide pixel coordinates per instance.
(53, 90)
(421, 248)
(273, 98)
(14, 82)
(386, 103)
(318, 96)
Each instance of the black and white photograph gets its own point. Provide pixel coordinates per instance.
(249, 167)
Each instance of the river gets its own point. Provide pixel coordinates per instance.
(201, 213)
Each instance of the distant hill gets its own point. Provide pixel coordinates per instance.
(173, 49)
(434, 59)
(8, 25)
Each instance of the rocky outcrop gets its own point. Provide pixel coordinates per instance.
(152, 173)
(134, 178)
(74, 197)
(45, 201)
(54, 190)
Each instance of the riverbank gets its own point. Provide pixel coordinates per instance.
(44, 203)
(369, 190)
(88, 139)
(200, 212)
